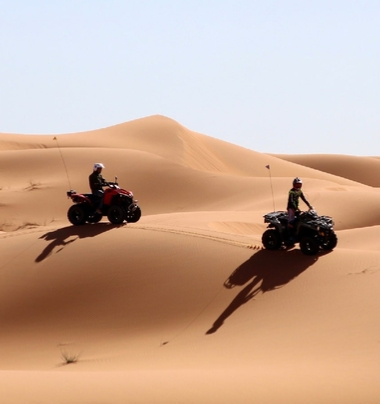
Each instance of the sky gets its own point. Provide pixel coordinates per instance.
(292, 77)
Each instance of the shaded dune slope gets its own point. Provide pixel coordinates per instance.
(68, 291)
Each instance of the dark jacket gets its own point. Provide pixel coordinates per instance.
(96, 182)
(293, 199)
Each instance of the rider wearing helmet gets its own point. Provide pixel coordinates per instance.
(97, 182)
(293, 200)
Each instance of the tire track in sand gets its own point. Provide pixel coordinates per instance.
(244, 242)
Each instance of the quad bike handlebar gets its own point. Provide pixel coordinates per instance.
(110, 184)
(311, 209)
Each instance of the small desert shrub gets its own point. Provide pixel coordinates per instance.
(33, 185)
(28, 225)
(69, 358)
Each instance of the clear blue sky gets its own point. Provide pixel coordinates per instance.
(273, 76)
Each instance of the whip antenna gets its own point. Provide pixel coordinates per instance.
(63, 161)
(271, 186)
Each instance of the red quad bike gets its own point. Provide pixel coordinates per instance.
(118, 206)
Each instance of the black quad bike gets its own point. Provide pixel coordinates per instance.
(311, 231)
(119, 205)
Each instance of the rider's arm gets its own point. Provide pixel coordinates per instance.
(305, 200)
(101, 180)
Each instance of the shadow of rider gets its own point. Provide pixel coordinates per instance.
(67, 235)
(265, 271)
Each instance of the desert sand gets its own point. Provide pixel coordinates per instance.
(184, 306)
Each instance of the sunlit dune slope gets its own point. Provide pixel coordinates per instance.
(360, 169)
(166, 138)
(169, 168)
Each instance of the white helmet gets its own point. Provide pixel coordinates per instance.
(98, 165)
(297, 182)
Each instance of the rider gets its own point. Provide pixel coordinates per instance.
(97, 182)
(293, 201)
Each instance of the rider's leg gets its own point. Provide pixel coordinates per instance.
(100, 194)
(291, 220)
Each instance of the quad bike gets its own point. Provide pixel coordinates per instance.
(118, 206)
(311, 231)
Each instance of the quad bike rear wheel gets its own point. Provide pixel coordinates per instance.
(94, 217)
(309, 245)
(271, 239)
(77, 214)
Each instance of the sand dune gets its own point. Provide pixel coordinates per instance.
(356, 168)
(185, 305)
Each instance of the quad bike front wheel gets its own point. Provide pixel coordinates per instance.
(133, 216)
(309, 245)
(331, 243)
(271, 239)
(116, 214)
(77, 214)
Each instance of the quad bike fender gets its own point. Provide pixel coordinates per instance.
(276, 226)
(80, 198)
